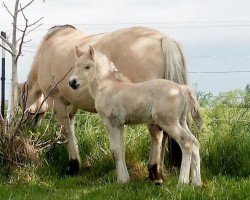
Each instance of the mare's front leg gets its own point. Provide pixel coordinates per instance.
(65, 115)
(156, 156)
(116, 138)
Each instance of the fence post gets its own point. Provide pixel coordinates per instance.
(3, 76)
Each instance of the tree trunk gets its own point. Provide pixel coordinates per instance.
(12, 105)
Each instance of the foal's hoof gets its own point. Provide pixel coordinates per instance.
(74, 168)
(197, 184)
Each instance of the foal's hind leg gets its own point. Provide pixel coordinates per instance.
(65, 116)
(195, 164)
(195, 159)
(156, 156)
(184, 139)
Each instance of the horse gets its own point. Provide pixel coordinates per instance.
(139, 53)
(119, 102)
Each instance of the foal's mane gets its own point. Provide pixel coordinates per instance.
(112, 70)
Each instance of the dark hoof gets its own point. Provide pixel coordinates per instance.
(159, 184)
(74, 168)
(152, 170)
(147, 179)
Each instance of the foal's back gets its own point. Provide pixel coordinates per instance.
(136, 103)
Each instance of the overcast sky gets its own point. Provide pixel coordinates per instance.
(215, 34)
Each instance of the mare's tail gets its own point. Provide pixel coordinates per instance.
(175, 67)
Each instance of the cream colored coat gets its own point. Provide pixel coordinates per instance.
(140, 54)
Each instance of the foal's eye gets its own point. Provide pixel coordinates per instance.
(87, 67)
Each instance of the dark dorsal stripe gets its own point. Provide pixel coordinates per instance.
(56, 29)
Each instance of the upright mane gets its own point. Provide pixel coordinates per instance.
(112, 70)
(56, 29)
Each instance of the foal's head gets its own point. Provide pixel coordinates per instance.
(84, 69)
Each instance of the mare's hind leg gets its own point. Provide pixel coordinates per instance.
(65, 115)
(156, 156)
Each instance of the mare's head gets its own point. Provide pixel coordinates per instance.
(84, 69)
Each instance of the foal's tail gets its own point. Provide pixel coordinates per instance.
(194, 106)
(175, 67)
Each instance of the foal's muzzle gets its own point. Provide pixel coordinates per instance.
(73, 83)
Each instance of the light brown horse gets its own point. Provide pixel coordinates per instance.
(120, 102)
(140, 54)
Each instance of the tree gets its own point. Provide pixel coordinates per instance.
(15, 48)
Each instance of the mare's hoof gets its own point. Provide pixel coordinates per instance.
(159, 183)
(74, 168)
(147, 179)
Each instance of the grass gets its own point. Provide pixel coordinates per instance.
(225, 166)
(86, 186)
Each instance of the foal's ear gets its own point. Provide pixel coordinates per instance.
(91, 52)
(78, 52)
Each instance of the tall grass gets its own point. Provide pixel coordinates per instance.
(226, 137)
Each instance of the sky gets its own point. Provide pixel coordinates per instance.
(215, 35)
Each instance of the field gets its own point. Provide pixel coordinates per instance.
(225, 152)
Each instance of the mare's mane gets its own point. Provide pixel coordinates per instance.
(55, 29)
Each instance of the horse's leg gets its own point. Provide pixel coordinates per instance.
(116, 138)
(174, 153)
(155, 165)
(163, 147)
(195, 159)
(184, 139)
(65, 116)
(72, 146)
(195, 164)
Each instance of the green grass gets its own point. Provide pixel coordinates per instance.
(225, 153)
(86, 186)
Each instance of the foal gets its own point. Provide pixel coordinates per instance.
(119, 102)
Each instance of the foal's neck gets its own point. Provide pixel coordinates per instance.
(106, 77)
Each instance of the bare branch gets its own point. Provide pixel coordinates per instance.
(52, 89)
(17, 28)
(29, 25)
(28, 33)
(35, 22)
(24, 101)
(27, 41)
(28, 4)
(23, 35)
(7, 49)
(33, 29)
(12, 161)
(4, 5)
(6, 41)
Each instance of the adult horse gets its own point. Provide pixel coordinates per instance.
(153, 54)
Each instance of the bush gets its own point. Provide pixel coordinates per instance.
(226, 137)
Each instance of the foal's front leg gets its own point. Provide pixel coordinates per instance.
(116, 138)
